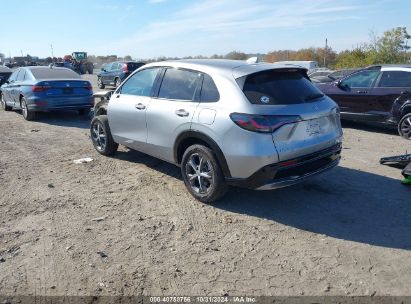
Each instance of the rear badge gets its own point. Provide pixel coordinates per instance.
(265, 99)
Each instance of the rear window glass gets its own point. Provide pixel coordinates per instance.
(54, 73)
(134, 65)
(279, 87)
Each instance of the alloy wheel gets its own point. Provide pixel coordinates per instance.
(24, 108)
(200, 173)
(99, 136)
(3, 102)
(406, 127)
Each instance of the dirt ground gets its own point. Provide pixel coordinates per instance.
(125, 225)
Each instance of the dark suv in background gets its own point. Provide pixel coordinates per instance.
(114, 73)
(5, 73)
(379, 94)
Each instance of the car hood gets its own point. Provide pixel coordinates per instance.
(324, 87)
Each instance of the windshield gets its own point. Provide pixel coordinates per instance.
(279, 87)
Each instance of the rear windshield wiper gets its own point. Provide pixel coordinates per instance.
(313, 96)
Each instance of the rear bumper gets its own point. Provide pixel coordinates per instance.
(52, 104)
(292, 171)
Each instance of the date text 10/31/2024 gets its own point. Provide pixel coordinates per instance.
(223, 299)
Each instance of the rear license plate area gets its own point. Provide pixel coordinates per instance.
(67, 91)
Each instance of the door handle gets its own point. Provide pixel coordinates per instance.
(182, 113)
(140, 106)
(362, 92)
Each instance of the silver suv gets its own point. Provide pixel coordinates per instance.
(224, 122)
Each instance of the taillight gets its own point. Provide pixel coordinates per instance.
(39, 88)
(263, 123)
(125, 68)
(88, 86)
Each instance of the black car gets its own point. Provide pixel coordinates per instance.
(379, 94)
(332, 76)
(5, 73)
(114, 73)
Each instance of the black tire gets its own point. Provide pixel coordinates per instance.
(404, 126)
(100, 83)
(4, 106)
(84, 112)
(204, 189)
(117, 82)
(101, 136)
(27, 114)
(90, 68)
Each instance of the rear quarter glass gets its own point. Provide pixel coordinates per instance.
(279, 87)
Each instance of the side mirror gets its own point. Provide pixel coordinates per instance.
(103, 70)
(341, 85)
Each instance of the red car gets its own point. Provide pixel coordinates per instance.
(379, 94)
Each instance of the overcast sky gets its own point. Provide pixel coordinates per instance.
(153, 28)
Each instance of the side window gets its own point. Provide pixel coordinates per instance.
(28, 76)
(14, 76)
(209, 91)
(141, 83)
(363, 79)
(107, 67)
(395, 79)
(20, 76)
(179, 84)
(114, 67)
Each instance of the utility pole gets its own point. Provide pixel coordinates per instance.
(325, 51)
(51, 47)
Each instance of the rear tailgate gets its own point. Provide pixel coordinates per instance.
(67, 88)
(287, 92)
(318, 129)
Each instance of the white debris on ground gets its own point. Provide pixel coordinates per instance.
(83, 160)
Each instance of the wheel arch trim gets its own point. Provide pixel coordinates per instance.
(405, 108)
(209, 141)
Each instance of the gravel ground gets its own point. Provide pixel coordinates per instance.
(125, 225)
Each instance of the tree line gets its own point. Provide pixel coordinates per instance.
(389, 48)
